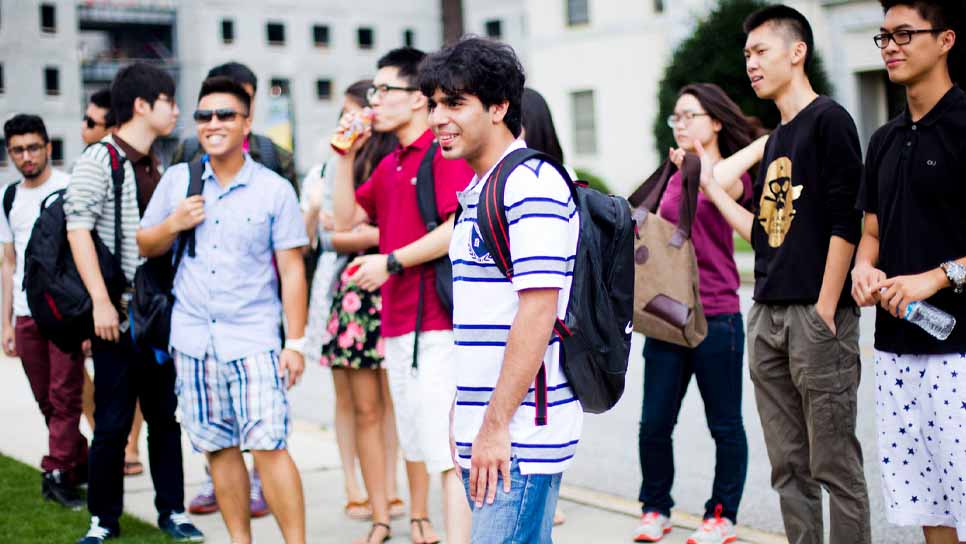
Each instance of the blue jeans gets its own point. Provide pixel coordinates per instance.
(524, 516)
(716, 363)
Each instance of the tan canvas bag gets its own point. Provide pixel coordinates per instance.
(667, 304)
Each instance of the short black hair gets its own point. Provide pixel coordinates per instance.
(235, 71)
(139, 80)
(945, 15)
(404, 59)
(484, 68)
(222, 84)
(788, 18)
(24, 123)
(102, 99)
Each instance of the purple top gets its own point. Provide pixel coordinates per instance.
(714, 247)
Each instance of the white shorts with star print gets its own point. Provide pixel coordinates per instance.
(921, 407)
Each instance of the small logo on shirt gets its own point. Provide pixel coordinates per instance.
(478, 250)
(931, 162)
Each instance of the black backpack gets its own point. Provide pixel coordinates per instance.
(150, 309)
(9, 194)
(595, 336)
(426, 201)
(58, 300)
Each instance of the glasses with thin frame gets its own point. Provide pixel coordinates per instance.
(20, 150)
(687, 117)
(901, 37)
(222, 114)
(381, 90)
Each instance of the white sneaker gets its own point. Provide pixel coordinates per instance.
(652, 528)
(716, 530)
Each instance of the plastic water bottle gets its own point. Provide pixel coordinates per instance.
(932, 320)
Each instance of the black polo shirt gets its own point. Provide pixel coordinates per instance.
(915, 181)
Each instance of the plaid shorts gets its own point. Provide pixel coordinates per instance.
(232, 403)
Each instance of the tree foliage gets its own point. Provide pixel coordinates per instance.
(713, 54)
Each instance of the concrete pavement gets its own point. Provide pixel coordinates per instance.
(591, 516)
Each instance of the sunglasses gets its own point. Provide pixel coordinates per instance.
(91, 123)
(223, 114)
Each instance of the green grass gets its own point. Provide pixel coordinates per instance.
(741, 246)
(27, 518)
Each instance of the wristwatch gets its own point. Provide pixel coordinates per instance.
(956, 274)
(393, 266)
(295, 344)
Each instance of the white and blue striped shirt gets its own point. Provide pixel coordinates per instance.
(544, 228)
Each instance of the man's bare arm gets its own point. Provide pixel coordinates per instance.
(430, 247)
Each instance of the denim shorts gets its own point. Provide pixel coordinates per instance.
(523, 516)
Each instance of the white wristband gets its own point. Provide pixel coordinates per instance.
(295, 344)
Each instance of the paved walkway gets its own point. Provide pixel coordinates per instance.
(592, 517)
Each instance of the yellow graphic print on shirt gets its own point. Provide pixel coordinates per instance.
(777, 206)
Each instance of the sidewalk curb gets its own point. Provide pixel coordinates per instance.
(619, 505)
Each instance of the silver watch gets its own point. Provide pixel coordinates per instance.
(956, 274)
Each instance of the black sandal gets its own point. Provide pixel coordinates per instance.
(419, 523)
(373, 530)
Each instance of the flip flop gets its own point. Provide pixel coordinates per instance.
(133, 468)
(358, 510)
(419, 523)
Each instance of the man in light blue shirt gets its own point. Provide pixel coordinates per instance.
(233, 371)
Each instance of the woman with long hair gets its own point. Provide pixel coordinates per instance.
(353, 346)
(704, 116)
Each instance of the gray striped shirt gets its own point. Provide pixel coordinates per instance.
(89, 203)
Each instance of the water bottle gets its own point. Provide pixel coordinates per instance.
(932, 320)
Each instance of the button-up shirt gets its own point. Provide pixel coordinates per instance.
(226, 296)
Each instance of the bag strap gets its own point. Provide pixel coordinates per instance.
(117, 176)
(9, 194)
(647, 197)
(196, 181)
(426, 202)
(495, 232)
(190, 149)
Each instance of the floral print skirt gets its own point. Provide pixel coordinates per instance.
(355, 326)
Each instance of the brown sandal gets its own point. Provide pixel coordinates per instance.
(358, 510)
(419, 523)
(375, 526)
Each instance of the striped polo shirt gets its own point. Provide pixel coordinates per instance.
(544, 228)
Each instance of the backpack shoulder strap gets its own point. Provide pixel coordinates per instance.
(190, 148)
(117, 177)
(196, 181)
(491, 213)
(267, 154)
(426, 190)
(8, 195)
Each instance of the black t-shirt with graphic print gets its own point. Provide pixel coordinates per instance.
(915, 183)
(805, 194)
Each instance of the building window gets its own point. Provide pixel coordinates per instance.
(57, 151)
(52, 81)
(577, 12)
(366, 38)
(48, 18)
(276, 33)
(494, 29)
(320, 35)
(280, 87)
(323, 89)
(3, 152)
(409, 38)
(1, 79)
(585, 123)
(658, 6)
(227, 31)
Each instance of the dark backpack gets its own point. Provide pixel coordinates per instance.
(9, 194)
(426, 201)
(150, 309)
(58, 300)
(595, 336)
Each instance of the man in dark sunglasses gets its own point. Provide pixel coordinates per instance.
(228, 313)
(98, 120)
(261, 148)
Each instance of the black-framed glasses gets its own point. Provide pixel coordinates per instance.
(382, 90)
(687, 117)
(222, 114)
(902, 37)
(91, 123)
(20, 150)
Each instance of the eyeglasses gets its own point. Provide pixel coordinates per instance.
(382, 90)
(901, 37)
(223, 114)
(33, 149)
(91, 123)
(687, 117)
